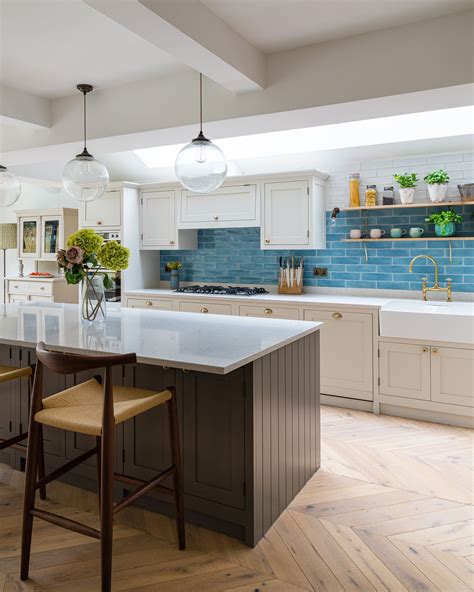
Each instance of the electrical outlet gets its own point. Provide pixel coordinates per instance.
(320, 271)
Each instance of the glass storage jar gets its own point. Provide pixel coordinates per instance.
(354, 190)
(371, 196)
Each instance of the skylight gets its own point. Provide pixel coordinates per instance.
(441, 123)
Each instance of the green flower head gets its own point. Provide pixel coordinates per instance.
(87, 240)
(114, 256)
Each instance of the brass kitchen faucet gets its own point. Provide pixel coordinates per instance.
(435, 288)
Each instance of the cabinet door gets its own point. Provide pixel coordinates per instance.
(9, 393)
(452, 376)
(286, 214)
(405, 370)
(222, 207)
(52, 236)
(269, 312)
(158, 219)
(104, 212)
(29, 244)
(346, 353)
(213, 437)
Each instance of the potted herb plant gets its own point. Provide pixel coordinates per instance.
(85, 260)
(437, 182)
(407, 184)
(174, 267)
(445, 222)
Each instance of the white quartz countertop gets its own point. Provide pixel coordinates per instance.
(308, 298)
(208, 343)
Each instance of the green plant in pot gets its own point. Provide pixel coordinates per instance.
(445, 222)
(407, 184)
(437, 182)
(174, 267)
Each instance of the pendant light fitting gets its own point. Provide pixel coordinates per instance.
(84, 89)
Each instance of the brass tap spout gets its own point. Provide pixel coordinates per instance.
(433, 261)
(435, 288)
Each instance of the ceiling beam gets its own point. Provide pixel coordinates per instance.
(195, 36)
(19, 108)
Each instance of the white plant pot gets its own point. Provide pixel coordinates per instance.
(407, 195)
(437, 191)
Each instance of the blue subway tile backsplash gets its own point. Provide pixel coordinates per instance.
(233, 255)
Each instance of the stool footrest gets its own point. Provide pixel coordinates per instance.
(143, 487)
(66, 523)
(13, 441)
(65, 468)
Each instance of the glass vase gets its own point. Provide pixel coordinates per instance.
(93, 309)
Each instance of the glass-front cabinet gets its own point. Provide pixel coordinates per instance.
(42, 233)
(29, 237)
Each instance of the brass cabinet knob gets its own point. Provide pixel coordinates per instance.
(149, 303)
(268, 311)
(435, 350)
(424, 349)
(171, 242)
(336, 315)
(16, 287)
(216, 217)
(41, 287)
(267, 241)
(204, 309)
(99, 222)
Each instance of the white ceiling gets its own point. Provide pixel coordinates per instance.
(275, 25)
(48, 46)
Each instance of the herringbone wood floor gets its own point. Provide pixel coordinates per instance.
(387, 511)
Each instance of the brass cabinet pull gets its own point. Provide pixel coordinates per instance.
(171, 242)
(216, 217)
(204, 309)
(99, 222)
(41, 287)
(268, 311)
(267, 241)
(435, 350)
(149, 303)
(424, 349)
(336, 315)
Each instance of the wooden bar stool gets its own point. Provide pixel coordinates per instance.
(94, 408)
(8, 373)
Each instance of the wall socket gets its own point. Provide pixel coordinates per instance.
(320, 271)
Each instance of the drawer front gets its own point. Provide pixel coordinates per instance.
(150, 303)
(38, 298)
(271, 312)
(189, 306)
(36, 287)
(12, 298)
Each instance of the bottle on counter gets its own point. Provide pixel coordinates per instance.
(354, 190)
(371, 196)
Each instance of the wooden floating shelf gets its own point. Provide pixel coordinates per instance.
(428, 204)
(422, 238)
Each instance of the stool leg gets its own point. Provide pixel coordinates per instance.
(178, 475)
(29, 497)
(106, 509)
(41, 470)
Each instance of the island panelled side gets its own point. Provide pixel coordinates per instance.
(250, 438)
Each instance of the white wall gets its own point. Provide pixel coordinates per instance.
(33, 197)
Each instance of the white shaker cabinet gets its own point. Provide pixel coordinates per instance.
(158, 222)
(230, 206)
(452, 376)
(346, 353)
(294, 214)
(105, 212)
(405, 370)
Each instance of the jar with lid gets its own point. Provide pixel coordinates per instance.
(388, 196)
(371, 196)
(354, 190)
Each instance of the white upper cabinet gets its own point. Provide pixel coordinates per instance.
(294, 214)
(227, 207)
(105, 212)
(158, 222)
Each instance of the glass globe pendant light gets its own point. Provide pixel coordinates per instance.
(201, 166)
(85, 178)
(10, 187)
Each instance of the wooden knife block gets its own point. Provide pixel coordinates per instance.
(285, 289)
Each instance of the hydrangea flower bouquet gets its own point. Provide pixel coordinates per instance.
(84, 261)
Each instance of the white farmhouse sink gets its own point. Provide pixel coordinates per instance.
(436, 321)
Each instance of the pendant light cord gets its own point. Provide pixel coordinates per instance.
(85, 119)
(200, 101)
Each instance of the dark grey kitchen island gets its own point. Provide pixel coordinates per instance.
(248, 400)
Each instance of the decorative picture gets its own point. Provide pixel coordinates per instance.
(29, 236)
